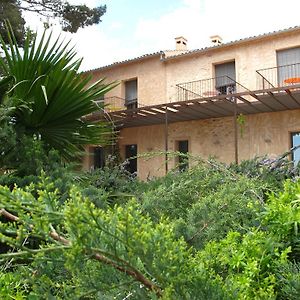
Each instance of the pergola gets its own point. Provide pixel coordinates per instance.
(216, 106)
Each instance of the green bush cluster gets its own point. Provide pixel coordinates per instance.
(212, 232)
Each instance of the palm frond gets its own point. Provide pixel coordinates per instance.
(50, 96)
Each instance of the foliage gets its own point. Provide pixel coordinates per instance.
(44, 97)
(10, 11)
(71, 17)
(113, 184)
(282, 217)
(288, 276)
(35, 167)
(272, 172)
(205, 202)
(85, 251)
(247, 263)
(211, 232)
(256, 265)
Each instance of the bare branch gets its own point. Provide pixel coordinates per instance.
(8, 215)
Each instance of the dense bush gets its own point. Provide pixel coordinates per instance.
(34, 166)
(257, 264)
(88, 252)
(109, 185)
(212, 232)
(272, 172)
(206, 202)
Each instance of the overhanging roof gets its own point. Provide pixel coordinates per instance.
(259, 101)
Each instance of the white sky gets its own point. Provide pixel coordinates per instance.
(131, 28)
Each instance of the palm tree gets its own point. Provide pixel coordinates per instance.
(45, 97)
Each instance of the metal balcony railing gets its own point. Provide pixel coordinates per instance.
(208, 88)
(115, 103)
(280, 76)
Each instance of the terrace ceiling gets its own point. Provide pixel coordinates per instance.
(249, 102)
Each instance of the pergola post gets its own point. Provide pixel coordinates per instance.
(236, 153)
(166, 141)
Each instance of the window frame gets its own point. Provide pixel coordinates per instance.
(292, 155)
(131, 103)
(182, 166)
(132, 162)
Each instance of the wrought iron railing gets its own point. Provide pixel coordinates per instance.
(280, 76)
(116, 103)
(208, 88)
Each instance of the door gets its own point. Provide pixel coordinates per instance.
(130, 155)
(99, 158)
(295, 137)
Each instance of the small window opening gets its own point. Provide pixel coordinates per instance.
(183, 160)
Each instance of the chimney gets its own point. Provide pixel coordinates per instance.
(181, 43)
(216, 40)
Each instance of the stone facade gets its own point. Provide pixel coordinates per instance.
(157, 76)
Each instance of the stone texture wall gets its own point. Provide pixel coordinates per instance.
(150, 74)
(263, 134)
(157, 79)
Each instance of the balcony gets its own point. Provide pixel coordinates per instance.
(213, 98)
(281, 76)
(208, 88)
(114, 103)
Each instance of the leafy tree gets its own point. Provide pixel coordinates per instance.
(46, 98)
(9, 10)
(71, 17)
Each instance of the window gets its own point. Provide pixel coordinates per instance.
(295, 137)
(288, 62)
(225, 78)
(130, 154)
(131, 94)
(183, 161)
(99, 157)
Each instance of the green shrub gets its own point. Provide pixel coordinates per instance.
(273, 172)
(86, 252)
(257, 264)
(206, 202)
(288, 276)
(113, 184)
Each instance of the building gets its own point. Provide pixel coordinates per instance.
(232, 101)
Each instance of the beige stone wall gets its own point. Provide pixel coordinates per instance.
(150, 74)
(157, 79)
(150, 140)
(87, 160)
(267, 133)
(248, 57)
(263, 134)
